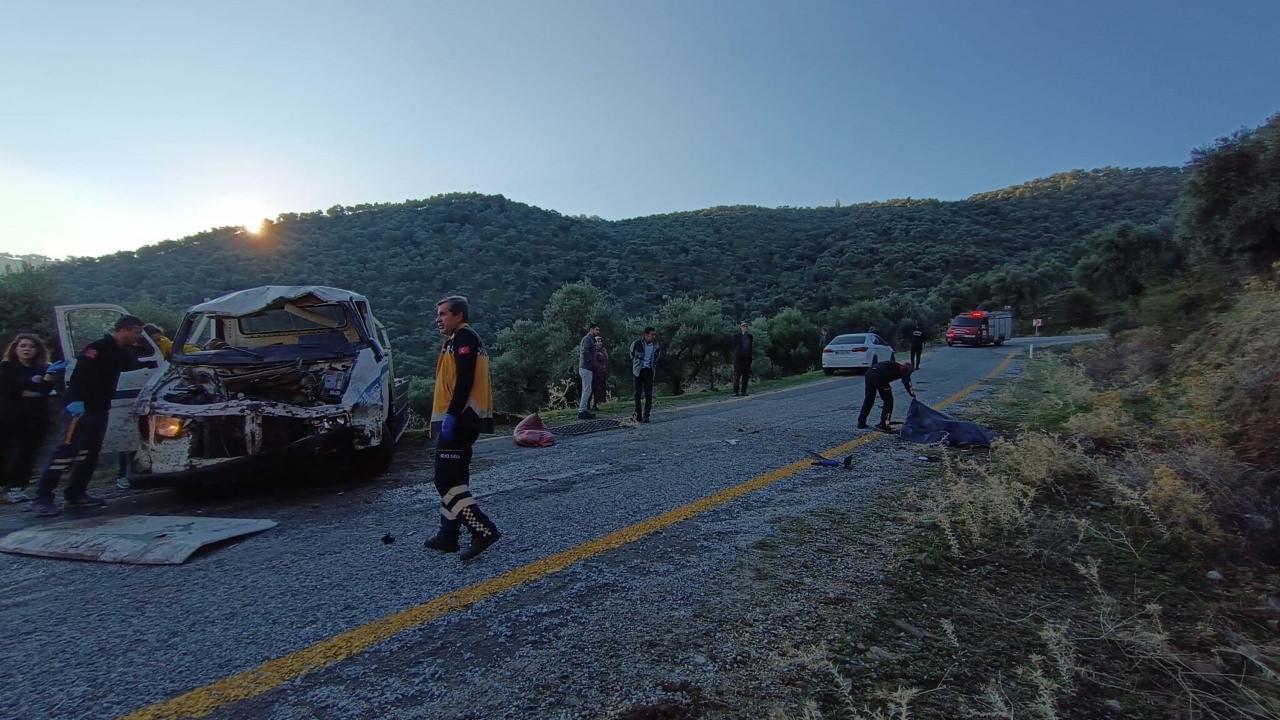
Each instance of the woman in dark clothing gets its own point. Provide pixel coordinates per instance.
(25, 384)
(600, 373)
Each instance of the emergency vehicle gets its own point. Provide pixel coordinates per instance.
(981, 327)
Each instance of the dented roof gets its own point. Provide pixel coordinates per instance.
(243, 302)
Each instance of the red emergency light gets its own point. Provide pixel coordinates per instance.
(977, 314)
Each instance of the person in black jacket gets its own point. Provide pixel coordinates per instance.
(25, 384)
(85, 414)
(744, 344)
(917, 346)
(877, 380)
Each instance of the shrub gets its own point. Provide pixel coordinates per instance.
(1183, 510)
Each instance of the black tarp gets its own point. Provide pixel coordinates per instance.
(926, 425)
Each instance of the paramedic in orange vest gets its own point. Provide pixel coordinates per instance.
(462, 410)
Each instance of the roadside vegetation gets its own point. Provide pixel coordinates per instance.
(536, 277)
(1118, 553)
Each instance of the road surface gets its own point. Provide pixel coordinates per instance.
(672, 562)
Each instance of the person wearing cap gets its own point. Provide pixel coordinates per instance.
(878, 378)
(87, 407)
(744, 344)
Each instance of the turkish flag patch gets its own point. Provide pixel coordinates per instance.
(90, 352)
(464, 350)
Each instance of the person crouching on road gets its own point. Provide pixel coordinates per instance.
(586, 361)
(85, 416)
(878, 378)
(462, 409)
(26, 379)
(645, 354)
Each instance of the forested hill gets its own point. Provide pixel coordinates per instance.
(509, 257)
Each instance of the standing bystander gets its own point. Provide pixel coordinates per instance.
(26, 379)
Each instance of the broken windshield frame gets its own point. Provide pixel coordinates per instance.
(201, 328)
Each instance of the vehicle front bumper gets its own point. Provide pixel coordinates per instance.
(283, 459)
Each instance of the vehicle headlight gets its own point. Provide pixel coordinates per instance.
(167, 427)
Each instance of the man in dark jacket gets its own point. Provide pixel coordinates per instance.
(645, 354)
(744, 344)
(85, 415)
(917, 346)
(877, 380)
(586, 361)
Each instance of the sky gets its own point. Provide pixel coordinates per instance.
(124, 124)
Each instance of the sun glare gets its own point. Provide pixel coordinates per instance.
(253, 227)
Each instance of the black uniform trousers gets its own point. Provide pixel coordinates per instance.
(453, 482)
(915, 355)
(741, 374)
(20, 441)
(644, 386)
(876, 386)
(80, 441)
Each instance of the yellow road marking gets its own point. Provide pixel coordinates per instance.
(275, 673)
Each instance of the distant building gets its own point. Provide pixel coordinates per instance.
(15, 263)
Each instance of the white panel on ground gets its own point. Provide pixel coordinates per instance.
(137, 539)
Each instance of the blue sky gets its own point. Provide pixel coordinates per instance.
(124, 124)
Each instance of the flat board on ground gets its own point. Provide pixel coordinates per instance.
(136, 539)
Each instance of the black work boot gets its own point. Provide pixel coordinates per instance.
(446, 538)
(479, 543)
(483, 532)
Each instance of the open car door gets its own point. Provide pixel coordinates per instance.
(79, 325)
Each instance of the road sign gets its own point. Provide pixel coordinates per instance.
(1036, 323)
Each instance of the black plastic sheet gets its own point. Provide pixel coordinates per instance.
(931, 427)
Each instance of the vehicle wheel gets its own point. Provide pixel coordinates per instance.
(950, 344)
(829, 371)
(999, 342)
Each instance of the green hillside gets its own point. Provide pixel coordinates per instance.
(509, 257)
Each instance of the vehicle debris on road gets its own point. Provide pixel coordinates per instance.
(134, 539)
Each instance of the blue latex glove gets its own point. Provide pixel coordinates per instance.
(448, 429)
(57, 367)
(75, 408)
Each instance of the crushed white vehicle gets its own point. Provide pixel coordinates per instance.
(266, 375)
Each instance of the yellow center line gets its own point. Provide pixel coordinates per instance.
(275, 673)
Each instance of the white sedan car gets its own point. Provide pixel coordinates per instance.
(855, 352)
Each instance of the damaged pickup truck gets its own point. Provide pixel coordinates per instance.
(265, 376)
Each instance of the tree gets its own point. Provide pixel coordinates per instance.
(695, 333)
(1230, 210)
(793, 341)
(1080, 308)
(570, 311)
(1122, 261)
(521, 372)
(26, 305)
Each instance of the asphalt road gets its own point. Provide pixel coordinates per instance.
(702, 601)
